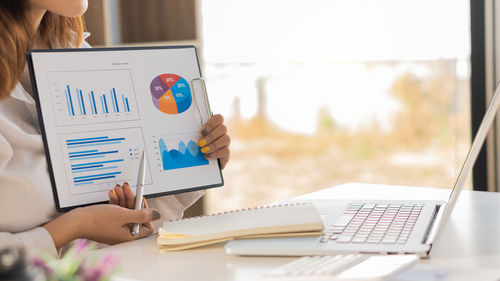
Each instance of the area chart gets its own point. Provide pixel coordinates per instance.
(177, 152)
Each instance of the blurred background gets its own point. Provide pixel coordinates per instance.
(318, 93)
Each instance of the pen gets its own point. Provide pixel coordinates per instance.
(139, 192)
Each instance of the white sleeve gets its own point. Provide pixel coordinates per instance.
(173, 206)
(24, 205)
(35, 242)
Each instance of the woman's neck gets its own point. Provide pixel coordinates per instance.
(37, 14)
(36, 17)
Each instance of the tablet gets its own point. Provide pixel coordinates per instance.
(100, 108)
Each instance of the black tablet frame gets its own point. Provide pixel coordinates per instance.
(31, 68)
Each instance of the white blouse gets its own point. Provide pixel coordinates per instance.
(26, 200)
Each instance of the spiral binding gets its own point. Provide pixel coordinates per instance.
(243, 210)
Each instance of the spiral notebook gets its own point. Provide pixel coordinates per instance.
(286, 220)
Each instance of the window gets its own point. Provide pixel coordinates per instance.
(325, 92)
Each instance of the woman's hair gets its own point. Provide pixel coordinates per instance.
(17, 36)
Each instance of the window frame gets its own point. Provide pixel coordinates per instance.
(478, 84)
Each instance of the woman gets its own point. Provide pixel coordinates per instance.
(27, 211)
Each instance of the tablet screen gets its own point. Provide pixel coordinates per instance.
(100, 108)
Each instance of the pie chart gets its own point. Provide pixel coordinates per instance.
(171, 93)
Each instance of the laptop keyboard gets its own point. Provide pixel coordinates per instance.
(374, 224)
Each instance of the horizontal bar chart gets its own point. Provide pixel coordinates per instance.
(91, 172)
(100, 160)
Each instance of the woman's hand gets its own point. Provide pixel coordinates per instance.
(215, 141)
(124, 197)
(108, 224)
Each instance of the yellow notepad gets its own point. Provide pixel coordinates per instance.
(295, 219)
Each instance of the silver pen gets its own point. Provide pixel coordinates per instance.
(139, 192)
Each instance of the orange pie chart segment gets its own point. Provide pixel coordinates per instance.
(167, 103)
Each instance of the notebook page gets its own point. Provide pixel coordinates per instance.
(269, 216)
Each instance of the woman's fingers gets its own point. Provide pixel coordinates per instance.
(211, 124)
(214, 135)
(144, 231)
(218, 144)
(110, 224)
(125, 233)
(113, 199)
(121, 196)
(222, 154)
(142, 216)
(145, 206)
(129, 196)
(215, 141)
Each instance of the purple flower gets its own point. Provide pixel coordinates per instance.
(78, 265)
(92, 274)
(41, 264)
(109, 263)
(80, 245)
(99, 270)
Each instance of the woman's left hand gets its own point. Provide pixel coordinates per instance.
(123, 196)
(215, 141)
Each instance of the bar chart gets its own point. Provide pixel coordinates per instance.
(98, 160)
(88, 106)
(84, 97)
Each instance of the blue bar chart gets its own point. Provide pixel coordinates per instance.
(85, 97)
(88, 106)
(97, 161)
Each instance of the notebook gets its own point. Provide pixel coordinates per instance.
(286, 220)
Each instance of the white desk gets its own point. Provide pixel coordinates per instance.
(470, 241)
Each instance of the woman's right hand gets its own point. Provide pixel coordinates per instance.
(110, 224)
(124, 197)
(105, 223)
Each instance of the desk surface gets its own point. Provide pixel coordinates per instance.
(470, 240)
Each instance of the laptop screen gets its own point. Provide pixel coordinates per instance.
(476, 146)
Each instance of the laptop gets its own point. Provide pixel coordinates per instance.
(375, 226)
